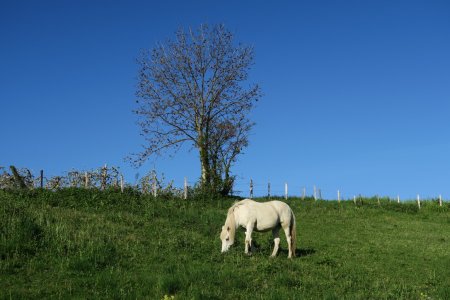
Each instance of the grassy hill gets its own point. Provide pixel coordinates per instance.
(77, 243)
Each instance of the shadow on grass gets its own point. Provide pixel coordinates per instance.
(298, 252)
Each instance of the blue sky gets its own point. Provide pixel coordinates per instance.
(356, 93)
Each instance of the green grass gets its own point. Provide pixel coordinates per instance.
(78, 243)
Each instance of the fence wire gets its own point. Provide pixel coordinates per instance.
(156, 184)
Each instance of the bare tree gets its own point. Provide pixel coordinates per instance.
(195, 90)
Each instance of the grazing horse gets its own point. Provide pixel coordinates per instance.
(260, 217)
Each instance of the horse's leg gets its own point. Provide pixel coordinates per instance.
(248, 237)
(276, 240)
(288, 238)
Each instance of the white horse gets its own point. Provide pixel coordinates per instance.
(260, 217)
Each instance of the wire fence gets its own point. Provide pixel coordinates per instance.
(151, 183)
(251, 189)
(102, 178)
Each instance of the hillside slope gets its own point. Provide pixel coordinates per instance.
(78, 243)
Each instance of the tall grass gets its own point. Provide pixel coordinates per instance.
(77, 243)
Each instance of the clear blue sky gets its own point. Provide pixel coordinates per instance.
(356, 93)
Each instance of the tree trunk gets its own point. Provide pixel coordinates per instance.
(205, 167)
(227, 182)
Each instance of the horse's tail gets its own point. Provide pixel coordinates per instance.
(293, 233)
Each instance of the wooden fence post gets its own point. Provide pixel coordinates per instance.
(378, 200)
(304, 193)
(121, 183)
(418, 201)
(18, 180)
(155, 193)
(104, 174)
(268, 190)
(314, 193)
(42, 179)
(339, 196)
(86, 180)
(185, 188)
(354, 199)
(285, 190)
(251, 188)
(398, 198)
(440, 200)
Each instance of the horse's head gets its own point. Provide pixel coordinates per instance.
(227, 237)
(228, 231)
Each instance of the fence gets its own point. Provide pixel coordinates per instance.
(101, 178)
(267, 190)
(107, 177)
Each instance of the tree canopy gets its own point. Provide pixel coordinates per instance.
(194, 90)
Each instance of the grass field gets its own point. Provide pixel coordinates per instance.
(78, 243)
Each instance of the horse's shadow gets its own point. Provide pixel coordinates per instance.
(301, 252)
(298, 252)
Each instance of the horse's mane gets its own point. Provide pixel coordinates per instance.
(235, 205)
(231, 221)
